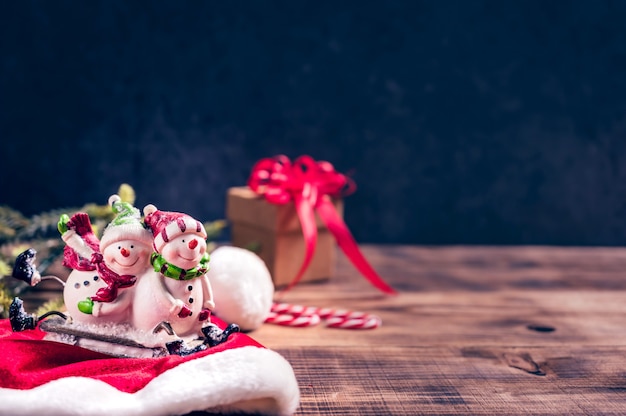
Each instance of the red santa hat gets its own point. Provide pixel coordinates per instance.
(167, 225)
(46, 377)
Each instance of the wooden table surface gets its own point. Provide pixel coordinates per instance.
(473, 331)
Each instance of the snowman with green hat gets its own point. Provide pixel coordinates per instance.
(99, 288)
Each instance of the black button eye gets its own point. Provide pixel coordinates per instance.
(190, 288)
(86, 282)
(95, 278)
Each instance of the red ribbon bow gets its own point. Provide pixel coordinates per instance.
(310, 184)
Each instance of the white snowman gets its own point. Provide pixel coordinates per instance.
(177, 291)
(104, 293)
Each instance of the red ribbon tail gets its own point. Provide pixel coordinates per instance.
(348, 245)
(304, 208)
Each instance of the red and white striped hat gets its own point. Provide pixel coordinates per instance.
(167, 225)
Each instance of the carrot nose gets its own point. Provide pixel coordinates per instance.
(193, 244)
(125, 252)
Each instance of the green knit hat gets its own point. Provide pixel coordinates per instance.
(126, 225)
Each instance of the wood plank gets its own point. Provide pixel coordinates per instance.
(475, 330)
(493, 318)
(485, 380)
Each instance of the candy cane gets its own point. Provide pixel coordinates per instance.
(299, 316)
(292, 320)
(296, 310)
(369, 322)
(327, 313)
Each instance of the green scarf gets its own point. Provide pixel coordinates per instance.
(174, 272)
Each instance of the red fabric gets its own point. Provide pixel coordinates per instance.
(309, 184)
(27, 361)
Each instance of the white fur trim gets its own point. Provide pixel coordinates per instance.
(113, 199)
(149, 209)
(247, 379)
(242, 287)
(133, 231)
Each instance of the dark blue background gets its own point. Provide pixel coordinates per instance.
(485, 122)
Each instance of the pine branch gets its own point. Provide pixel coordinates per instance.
(214, 228)
(55, 304)
(6, 297)
(43, 225)
(11, 222)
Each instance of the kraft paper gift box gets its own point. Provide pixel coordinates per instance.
(273, 231)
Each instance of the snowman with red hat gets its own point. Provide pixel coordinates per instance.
(176, 294)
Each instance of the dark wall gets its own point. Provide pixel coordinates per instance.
(498, 122)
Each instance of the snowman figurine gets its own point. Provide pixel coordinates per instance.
(176, 293)
(99, 288)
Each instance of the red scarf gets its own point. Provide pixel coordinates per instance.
(113, 280)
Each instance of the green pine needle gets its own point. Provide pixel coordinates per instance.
(55, 304)
(5, 301)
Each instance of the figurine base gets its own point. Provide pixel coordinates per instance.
(115, 340)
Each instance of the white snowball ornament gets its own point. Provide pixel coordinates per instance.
(242, 287)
